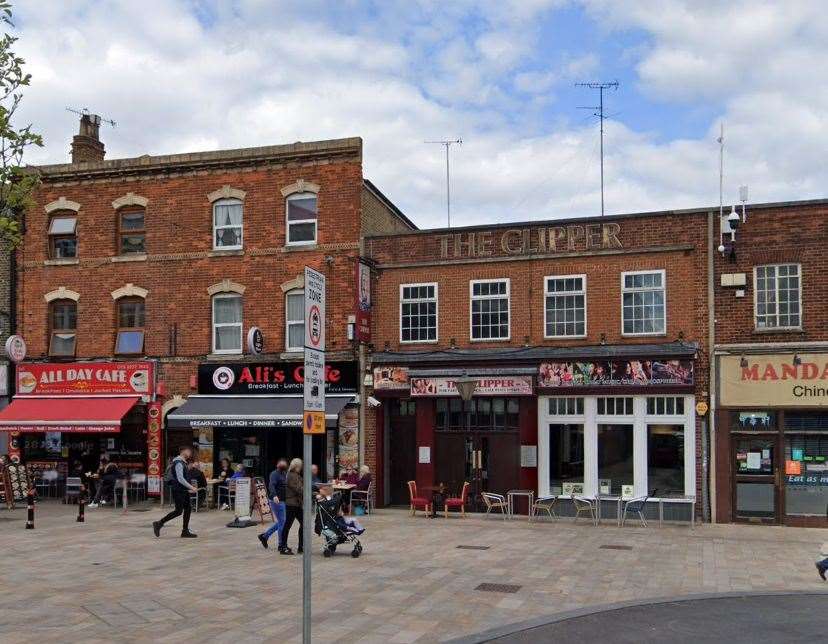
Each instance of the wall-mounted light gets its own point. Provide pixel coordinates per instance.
(603, 338)
(797, 360)
(743, 363)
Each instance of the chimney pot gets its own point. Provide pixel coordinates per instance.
(86, 144)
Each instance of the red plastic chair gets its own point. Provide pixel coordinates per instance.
(454, 502)
(418, 501)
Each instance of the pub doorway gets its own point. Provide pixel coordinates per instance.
(402, 453)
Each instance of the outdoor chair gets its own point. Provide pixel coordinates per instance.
(495, 502)
(73, 489)
(584, 505)
(365, 497)
(458, 502)
(47, 484)
(195, 496)
(635, 506)
(417, 501)
(137, 486)
(545, 504)
(228, 492)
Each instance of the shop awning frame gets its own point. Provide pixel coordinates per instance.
(263, 412)
(67, 414)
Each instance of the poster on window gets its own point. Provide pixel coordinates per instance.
(391, 378)
(363, 302)
(348, 440)
(614, 373)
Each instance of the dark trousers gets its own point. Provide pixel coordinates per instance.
(292, 513)
(182, 506)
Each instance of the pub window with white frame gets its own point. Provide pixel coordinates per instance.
(665, 405)
(566, 406)
(418, 312)
(227, 323)
(565, 306)
(295, 320)
(615, 406)
(227, 224)
(301, 219)
(778, 296)
(643, 300)
(489, 309)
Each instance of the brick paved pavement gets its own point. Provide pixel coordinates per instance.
(110, 578)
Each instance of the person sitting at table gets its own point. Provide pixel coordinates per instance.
(197, 478)
(350, 476)
(108, 474)
(364, 481)
(240, 473)
(225, 470)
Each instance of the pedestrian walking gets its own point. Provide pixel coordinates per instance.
(176, 476)
(294, 487)
(277, 485)
(822, 565)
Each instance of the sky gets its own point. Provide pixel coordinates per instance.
(192, 75)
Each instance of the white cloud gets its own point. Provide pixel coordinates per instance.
(249, 74)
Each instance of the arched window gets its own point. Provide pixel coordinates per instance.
(131, 321)
(295, 320)
(227, 323)
(301, 218)
(63, 323)
(227, 224)
(63, 239)
(131, 230)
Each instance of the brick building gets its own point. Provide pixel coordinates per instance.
(6, 317)
(771, 360)
(585, 341)
(185, 273)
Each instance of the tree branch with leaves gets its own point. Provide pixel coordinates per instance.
(16, 185)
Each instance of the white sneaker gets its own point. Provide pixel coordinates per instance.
(224, 506)
(103, 502)
(92, 506)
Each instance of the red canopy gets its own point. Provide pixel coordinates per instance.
(78, 414)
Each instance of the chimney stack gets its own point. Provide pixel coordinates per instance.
(86, 144)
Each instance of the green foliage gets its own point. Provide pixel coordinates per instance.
(16, 185)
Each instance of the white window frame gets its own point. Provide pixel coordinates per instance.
(436, 311)
(289, 323)
(756, 298)
(639, 419)
(547, 294)
(213, 324)
(227, 202)
(625, 290)
(473, 297)
(315, 221)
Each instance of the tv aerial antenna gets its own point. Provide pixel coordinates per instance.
(85, 112)
(447, 143)
(600, 114)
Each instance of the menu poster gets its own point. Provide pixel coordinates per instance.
(154, 453)
(348, 440)
(260, 500)
(242, 507)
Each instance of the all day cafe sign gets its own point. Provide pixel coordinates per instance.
(85, 379)
(774, 380)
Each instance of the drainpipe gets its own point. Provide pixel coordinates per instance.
(711, 346)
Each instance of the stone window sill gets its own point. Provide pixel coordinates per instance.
(295, 248)
(137, 257)
(226, 253)
(798, 330)
(292, 355)
(74, 261)
(227, 357)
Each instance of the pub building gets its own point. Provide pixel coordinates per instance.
(251, 414)
(773, 437)
(67, 415)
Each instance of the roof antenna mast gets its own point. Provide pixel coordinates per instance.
(85, 112)
(600, 114)
(447, 144)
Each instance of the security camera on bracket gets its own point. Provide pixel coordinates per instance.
(728, 226)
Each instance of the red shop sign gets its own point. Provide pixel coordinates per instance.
(85, 379)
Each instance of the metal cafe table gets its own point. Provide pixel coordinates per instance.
(511, 495)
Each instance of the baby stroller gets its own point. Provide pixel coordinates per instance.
(336, 529)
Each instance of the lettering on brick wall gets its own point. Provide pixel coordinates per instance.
(530, 241)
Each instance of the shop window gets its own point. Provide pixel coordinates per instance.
(806, 463)
(63, 239)
(405, 408)
(295, 320)
(130, 338)
(643, 302)
(665, 459)
(227, 224)
(755, 457)
(760, 421)
(778, 296)
(566, 458)
(484, 414)
(615, 406)
(489, 309)
(665, 406)
(302, 216)
(131, 231)
(227, 323)
(615, 458)
(63, 321)
(418, 313)
(568, 406)
(565, 306)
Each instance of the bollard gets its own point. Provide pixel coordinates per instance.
(81, 504)
(30, 508)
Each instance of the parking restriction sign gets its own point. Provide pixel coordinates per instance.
(314, 374)
(314, 309)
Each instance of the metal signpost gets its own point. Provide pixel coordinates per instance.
(313, 421)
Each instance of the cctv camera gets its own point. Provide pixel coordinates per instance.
(734, 220)
(374, 402)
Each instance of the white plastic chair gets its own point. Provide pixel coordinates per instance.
(137, 486)
(365, 497)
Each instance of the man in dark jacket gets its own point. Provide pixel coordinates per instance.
(294, 493)
(277, 489)
(176, 476)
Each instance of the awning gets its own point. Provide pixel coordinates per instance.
(77, 415)
(249, 411)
